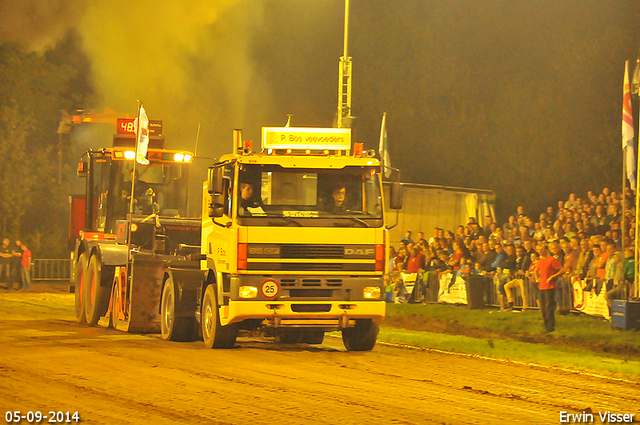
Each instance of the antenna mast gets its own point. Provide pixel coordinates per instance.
(344, 82)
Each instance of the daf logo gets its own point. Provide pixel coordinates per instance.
(358, 251)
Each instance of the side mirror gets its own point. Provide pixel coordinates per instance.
(215, 211)
(214, 181)
(396, 195)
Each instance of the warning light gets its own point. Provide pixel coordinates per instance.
(358, 149)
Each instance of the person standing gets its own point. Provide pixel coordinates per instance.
(548, 269)
(5, 263)
(26, 268)
(16, 264)
(407, 238)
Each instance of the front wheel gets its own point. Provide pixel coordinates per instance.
(80, 280)
(362, 337)
(173, 327)
(214, 334)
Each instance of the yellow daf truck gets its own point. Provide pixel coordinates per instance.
(294, 240)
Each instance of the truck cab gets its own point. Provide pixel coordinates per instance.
(294, 240)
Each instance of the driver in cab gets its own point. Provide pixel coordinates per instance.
(249, 202)
(338, 203)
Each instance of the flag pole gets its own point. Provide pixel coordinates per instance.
(135, 160)
(624, 205)
(628, 137)
(635, 241)
(133, 179)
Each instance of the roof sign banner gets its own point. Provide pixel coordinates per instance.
(306, 138)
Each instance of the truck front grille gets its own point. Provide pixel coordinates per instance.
(311, 251)
(311, 308)
(310, 293)
(346, 267)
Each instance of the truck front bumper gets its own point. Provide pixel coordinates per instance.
(329, 315)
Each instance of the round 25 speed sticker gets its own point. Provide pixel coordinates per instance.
(270, 289)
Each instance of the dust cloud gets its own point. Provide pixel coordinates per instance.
(188, 62)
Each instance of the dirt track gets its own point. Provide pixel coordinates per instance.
(48, 362)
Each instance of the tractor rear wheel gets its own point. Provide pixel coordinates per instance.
(80, 280)
(96, 295)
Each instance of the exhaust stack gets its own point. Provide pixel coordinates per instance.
(237, 140)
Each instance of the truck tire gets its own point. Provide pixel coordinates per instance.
(79, 281)
(362, 337)
(173, 328)
(115, 304)
(96, 296)
(214, 334)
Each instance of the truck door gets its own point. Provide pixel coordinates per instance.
(99, 192)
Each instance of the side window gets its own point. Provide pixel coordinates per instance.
(100, 193)
(228, 189)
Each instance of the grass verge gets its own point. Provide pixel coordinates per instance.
(566, 357)
(580, 341)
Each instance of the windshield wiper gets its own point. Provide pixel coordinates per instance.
(356, 219)
(290, 220)
(283, 217)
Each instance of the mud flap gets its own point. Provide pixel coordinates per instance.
(146, 292)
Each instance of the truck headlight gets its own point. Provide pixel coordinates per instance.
(248, 292)
(372, 292)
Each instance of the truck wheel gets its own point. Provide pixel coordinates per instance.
(80, 278)
(362, 337)
(96, 296)
(214, 334)
(313, 337)
(173, 328)
(115, 304)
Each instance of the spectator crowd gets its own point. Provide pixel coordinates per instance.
(15, 265)
(585, 236)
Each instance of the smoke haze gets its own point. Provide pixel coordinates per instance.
(188, 62)
(38, 24)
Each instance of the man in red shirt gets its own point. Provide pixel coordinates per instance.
(416, 261)
(26, 268)
(547, 270)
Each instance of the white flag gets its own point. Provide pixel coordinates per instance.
(384, 149)
(627, 129)
(142, 137)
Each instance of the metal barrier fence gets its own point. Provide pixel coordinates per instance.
(485, 290)
(51, 269)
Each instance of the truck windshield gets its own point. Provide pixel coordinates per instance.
(160, 188)
(352, 194)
